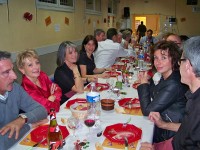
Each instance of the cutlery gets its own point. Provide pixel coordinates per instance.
(35, 145)
(126, 143)
(99, 133)
(124, 124)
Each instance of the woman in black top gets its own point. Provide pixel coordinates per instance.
(67, 74)
(86, 59)
(166, 96)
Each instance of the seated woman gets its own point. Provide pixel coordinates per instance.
(167, 95)
(86, 59)
(36, 83)
(67, 74)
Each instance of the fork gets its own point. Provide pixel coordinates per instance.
(125, 124)
(35, 145)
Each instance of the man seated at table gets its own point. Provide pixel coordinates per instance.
(13, 98)
(187, 136)
(109, 50)
(148, 39)
(99, 34)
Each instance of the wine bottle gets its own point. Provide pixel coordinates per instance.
(55, 138)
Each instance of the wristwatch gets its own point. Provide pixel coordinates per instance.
(24, 117)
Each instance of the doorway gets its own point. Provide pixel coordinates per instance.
(151, 22)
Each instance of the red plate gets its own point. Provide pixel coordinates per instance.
(125, 60)
(116, 133)
(41, 132)
(124, 102)
(100, 86)
(118, 67)
(78, 100)
(113, 74)
(135, 85)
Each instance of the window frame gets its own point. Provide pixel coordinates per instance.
(3, 1)
(93, 11)
(112, 7)
(57, 6)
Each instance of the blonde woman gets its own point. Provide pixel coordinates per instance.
(36, 83)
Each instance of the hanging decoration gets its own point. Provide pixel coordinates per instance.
(48, 21)
(66, 21)
(28, 16)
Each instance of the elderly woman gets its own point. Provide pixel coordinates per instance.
(167, 95)
(67, 74)
(37, 83)
(86, 59)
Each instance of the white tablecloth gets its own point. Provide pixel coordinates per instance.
(107, 118)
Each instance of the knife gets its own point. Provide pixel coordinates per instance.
(35, 145)
(126, 143)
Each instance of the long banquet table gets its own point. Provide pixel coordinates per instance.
(107, 118)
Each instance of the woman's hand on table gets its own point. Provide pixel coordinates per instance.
(105, 75)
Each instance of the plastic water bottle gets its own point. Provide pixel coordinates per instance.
(93, 101)
(141, 60)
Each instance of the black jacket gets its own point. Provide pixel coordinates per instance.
(168, 98)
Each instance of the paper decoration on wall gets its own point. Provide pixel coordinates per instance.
(89, 21)
(97, 21)
(28, 16)
(48, 21)
(183, 19)
(66, 21)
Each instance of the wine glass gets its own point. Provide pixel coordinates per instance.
(116, 91)
(73, 123)
(110, 82)
(89, 120)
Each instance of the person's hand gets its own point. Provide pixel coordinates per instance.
(41, 122)
(53, 88)
(105, 75)
(13, 127)
(143, 77)
(52, 98)
(93, 79)
(156, 118)
(146, 146)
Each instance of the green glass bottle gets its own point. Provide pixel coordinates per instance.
(55, 138)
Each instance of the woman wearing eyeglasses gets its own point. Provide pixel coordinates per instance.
(166, 95)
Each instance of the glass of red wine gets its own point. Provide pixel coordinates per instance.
(89, 120)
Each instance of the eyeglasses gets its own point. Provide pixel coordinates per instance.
(180, 60)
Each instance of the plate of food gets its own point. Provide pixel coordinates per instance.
(113, 74)
(100, 86)
(117, 133)
(41, 132)
(77, 100)
(129, 103)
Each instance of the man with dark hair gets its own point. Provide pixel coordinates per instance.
(148, 39)
(13, 98)
(109, 50)
(141, 30)
(99, 34)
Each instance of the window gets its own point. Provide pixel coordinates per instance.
(112, 7)
(3, 1)
(93, 6)
(60, 5)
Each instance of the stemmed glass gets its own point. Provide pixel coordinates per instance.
(90, 119)
(73, 123)
(110, 82)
